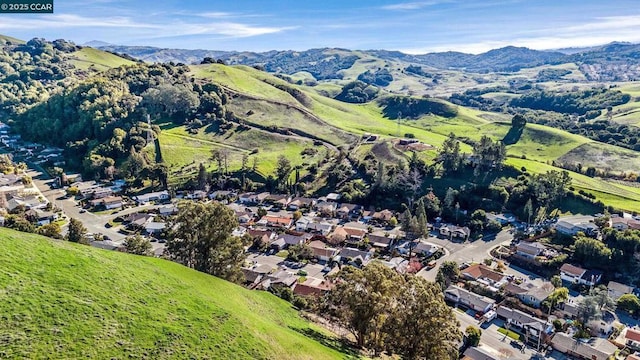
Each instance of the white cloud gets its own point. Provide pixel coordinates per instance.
(413, 5)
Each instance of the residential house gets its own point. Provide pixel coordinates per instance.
(277, 221)
(455, 232)
(197, 195)
(478, 353)
(280, 279)
(528, 325)
(616, 290)
(535, 294)
(138, 221)
(503, 219)
(484, 275)
(108, 203)
(247, 198)
(316, 226)
(326, 208)
(618, 223)
(380, 241)
(348, 211)
(578, 275)
(632, 338)
(154, 227)
(222, 195)
(312, 287)
(333, 197)
(251, 277)
(398, 264)
(351, 255)
(41, 217)
(100, 192)
(28, 201)
(298, 203)
(471, 300)
(530, 251)
(571, 228)
(382, 217)
(603, 325)
(591, 349)
(322, 252)
(11, 190)
(283, 241)
(168, 210)
(278, 200)
(349, 234)
(425, 249)
(151, 197)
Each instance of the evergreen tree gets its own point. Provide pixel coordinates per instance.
(77, 232)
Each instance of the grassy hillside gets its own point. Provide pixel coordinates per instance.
(4, 39)
(87, 57)
(67, 301)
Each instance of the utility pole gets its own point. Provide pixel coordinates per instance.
(150, 132)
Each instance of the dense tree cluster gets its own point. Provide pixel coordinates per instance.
(380, 77)
(410, 107)
(574, 102)
(386, 312)
(357, 92)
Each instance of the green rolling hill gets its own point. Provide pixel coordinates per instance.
(64, 300)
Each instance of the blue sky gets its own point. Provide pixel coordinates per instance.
(411, 26)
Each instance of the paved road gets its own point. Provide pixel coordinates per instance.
(95, 223)
(460, 252)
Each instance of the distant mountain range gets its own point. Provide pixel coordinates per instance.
(612, 62)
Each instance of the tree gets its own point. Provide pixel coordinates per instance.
(262, 212)
(588, 310)
(629, 303)
(393, 221)
(283, 170)
(51, 230)
(447, 273)
(405, 220)
(556, 281)
(200, 238)
(77, 232)
(528, 210)
(421, 217)
(449, 155)
(473, 335)
(300, 252)
(601, 296)
(361, 300)
(138, 245)
(518, 121)
(558, 296)
(202, 177)
(421, 325)
(591, 252)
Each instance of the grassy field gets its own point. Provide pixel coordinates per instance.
(5, 39)
(611, 193)
(87, 57)
(61, 300)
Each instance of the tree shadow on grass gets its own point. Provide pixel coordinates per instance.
(513, 136)
(332, 342)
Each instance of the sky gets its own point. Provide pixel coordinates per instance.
(471, 26)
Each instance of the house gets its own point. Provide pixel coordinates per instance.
(251, 277)
(457, 232)
(277, 221)
(154, 228)
(425, 249)
(473, 301)
(349, 234)
(604, 325)
(154, 196)
(380, 241)
(313, 226)
(298, 203)
(168, 210)
(484, 275)
(616, 290)
(478, 353)
(348, 211)
(592, 349)
(41, 217)
(278, 200)
(632, 338)
(618, 223)
(578, 275)
(571, 228)
(326, 208)
(197, 195)
(100, 192)
(529, 251)
(286, 240)
(349, 255)
(530, 326)
(322, 252)
(247, 198)
(108, 203)
(397, 263)
(312, 287)
(333, 197)
(382, 217)
(280, 279)
(535, 294)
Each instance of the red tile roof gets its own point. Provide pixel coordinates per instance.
(633, 335)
